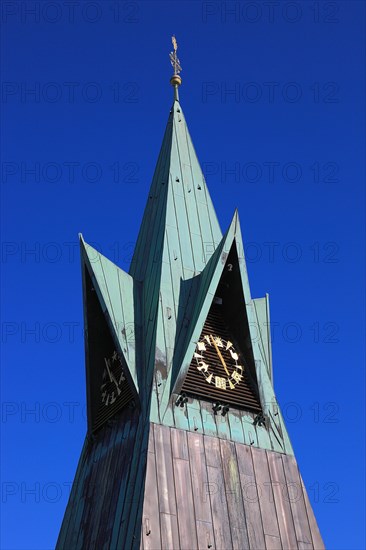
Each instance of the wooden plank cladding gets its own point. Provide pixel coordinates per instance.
(212, 493)
(184, 490)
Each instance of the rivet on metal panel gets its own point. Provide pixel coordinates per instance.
(177, 179)
(169, 312)
(147, 527)
(199, 187)
(216, 407)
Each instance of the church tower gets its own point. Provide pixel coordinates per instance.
(186, 446)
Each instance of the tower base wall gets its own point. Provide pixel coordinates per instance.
(205, 492)
(149, 486)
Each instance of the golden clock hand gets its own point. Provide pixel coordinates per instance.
(219, 354)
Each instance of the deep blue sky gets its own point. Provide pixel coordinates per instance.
(92, 130)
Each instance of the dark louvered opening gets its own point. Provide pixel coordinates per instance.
(107, 412)
(104, 399)
(244, 395)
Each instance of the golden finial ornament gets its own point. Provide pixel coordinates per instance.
(176, 79)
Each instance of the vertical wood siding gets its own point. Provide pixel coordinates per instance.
(156, 487)
(224, 495)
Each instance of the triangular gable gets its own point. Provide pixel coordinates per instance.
(115, 291)
(206, 289)
(195, 303)
(209, 282)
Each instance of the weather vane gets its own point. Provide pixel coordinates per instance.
(173, 57)
(175, 80)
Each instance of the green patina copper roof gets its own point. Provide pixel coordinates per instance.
(180, 223)
(177, 264)
(159, 433)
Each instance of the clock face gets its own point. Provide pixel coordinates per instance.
(112, 379)
(219, 362)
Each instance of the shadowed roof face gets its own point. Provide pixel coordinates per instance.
(179, 225)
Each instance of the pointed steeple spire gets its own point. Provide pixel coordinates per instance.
(179, 225)
(178, 235)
